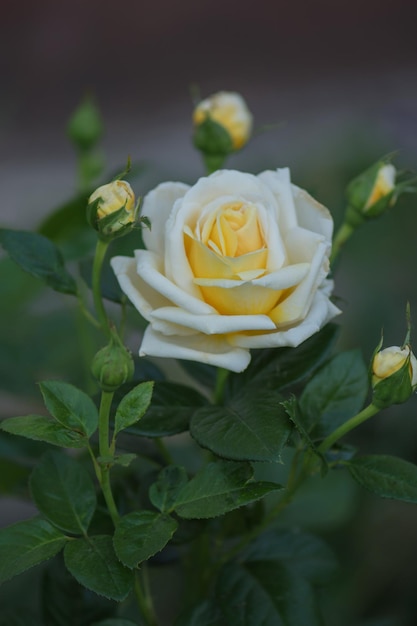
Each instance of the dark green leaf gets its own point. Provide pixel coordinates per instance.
(64, 492)
(205, 614)
(304, 553)
(142, 534)
(293, 410)
(64, 602)
(42, 428)
(267, 593)
(278, 368)
(336, 393)
(386, 476)
(26, 544)
(164, 491)
(253, 427)
(133, 406)
(94, 564)
(38, 256)
(169, 413)
(218, 488)
(70, 406)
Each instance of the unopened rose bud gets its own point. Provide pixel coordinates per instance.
(112, 366)
(112, 210)
(393, 376)
(371, 193)
(223, 123)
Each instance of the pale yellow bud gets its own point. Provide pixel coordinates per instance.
(384, 184)
(230, 111)
(390, 360)
(113, 197)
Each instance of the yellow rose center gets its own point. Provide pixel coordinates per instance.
(226, 247)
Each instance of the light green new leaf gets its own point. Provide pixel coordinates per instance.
(70, 406)
(164, 490)
(26, 544)
(219, 488)
(64, 492)
(142, 534)
(41, 428)
(386, 476)
(253, 427)
(133, 406)
(94, 564)
(336, 393)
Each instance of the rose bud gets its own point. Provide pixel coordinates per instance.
(112, 210)
(112, 366)
(223, 124)
(393, 376)
(371, 193)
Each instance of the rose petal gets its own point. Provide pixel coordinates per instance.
(279, 183)
(157, 205)
(311, 214)
(212, 324)
(322, 310)
(213, 350)
(149, 268)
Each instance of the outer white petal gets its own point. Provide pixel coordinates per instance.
(280, 184)
(212, 324)
(157, 205)
(213, 350)
(144, 298)
(311, 214)
(322, 311)
(149, 269)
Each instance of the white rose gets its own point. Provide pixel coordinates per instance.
(232, 263)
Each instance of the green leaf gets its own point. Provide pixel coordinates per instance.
(94, 564)
(115, 621)
(170, 411)
(164, 491)
(133, 406)
(64, 602)
(41, 428)
(218, 488)
(26, 544)
(386, 476)
(275, 369)
(253, 427)
(204, 374)
(64, 492)
(205, 614)
(335, 393)
(73, 408)
(267, 593)
(40, 257)
(142, 534)
(292, 408)
(304, 553)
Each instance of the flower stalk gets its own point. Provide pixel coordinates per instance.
(101, 249)
(353, 422)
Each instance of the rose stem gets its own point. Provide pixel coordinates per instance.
(101, 249)
(354, 421)
(342, 235)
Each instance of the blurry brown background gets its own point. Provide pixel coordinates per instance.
(340, 77)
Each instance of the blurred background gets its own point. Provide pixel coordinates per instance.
(340, 81)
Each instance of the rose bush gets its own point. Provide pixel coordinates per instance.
(234, 262)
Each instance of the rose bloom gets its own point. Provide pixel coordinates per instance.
(230, 111)
(113, 197)
(234, 262)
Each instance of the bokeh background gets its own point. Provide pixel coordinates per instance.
(338, 78)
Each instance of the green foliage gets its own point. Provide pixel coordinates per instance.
(251, 427)
(70, 406)
(94, 565)
(142, 534)
(26, 544)
(164, 491)
(40, 257)
(335, 393)
(386, 476)
(218, 488)
(64, 492)
(41, 428)
(133, 406)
